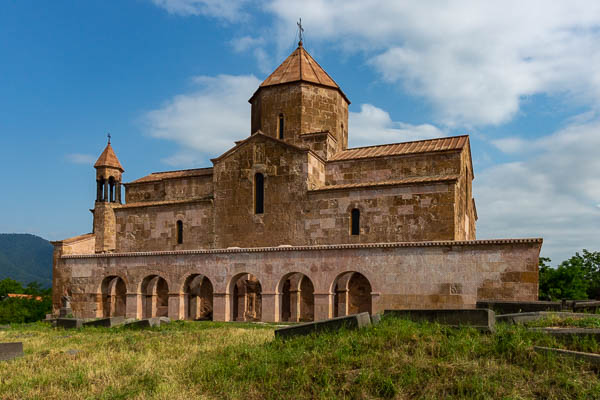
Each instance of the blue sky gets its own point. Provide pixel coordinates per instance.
(170, 80)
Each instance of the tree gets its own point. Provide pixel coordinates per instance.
(577, 278)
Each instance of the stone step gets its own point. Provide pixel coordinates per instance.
(482, 319)
(349, 322)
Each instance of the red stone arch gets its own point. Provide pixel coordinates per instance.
(198, 293)
(244, 293)
(155, 296)
(352, 294)
(296, 294)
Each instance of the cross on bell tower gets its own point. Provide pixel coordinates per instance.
(300, 31)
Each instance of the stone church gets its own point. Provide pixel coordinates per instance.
(290, 224)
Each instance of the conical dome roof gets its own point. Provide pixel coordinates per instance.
(300, 66)
(108, 158)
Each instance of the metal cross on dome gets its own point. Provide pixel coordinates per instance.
(300, 29)
(109, 137)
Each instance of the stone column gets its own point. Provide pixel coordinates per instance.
(376, 305)
(343, 302)
(294, 305)
(106, 194)
(133, 306)
(176, 305)
(323, 306)
(118, 194)
(270, 306)
(221, 307)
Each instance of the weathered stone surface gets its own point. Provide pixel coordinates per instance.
(144, 323)
(482, 319)
(164, 320)
(106, 322)
(375, 319)
(69, 323)
(591, 358)
(355, 321)
(522, 318)
(513, 307)
(8, 351)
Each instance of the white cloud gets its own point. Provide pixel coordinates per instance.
(78, 158)
(206, 122)
(372, 126)
(230, 10)
(510, 144)
(474, 61)
(553, 194)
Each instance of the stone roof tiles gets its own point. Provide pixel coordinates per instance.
(420, 146)
(300, 66)
(162, 203)
(398, 182)
(184, 173)
(108, 158)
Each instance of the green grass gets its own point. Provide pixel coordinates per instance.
(396, 359)
(586, 322)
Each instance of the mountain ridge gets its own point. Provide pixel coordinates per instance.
(26, 258)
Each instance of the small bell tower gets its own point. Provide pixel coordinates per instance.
(108, 194)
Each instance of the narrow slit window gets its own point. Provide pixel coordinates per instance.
(259, 193)
(355, 221)
(280, 126)
(179, 232)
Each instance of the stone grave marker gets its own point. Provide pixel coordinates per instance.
(8, 351)
(350, 322)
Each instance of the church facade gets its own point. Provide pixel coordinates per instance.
(290, 224)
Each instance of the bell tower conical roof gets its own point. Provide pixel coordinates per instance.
(108, 158)
(300, 66)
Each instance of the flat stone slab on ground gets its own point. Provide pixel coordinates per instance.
(8, 351)
(522, 318)
(592, 358)
(165, 320)
(106, 322)
(482, 319)
(510, 307)
(144, 323)
(570, 332)
(349, 322)
(69, 323)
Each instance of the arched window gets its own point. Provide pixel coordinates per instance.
(100, 190)
(259, 193)
(280, 126)
(355, 222)
(179, 232)
(111, 194)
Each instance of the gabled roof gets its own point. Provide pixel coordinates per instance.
(183, 173)
(108, 158)
(258, 134)
(420, 146)
(300, 66)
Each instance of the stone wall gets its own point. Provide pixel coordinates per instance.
(306, 108)
(401, 275)
(184, 188)
(146, 227)
(390, 168)
(285, 185)
(399, 213)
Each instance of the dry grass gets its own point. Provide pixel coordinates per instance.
(396, 359)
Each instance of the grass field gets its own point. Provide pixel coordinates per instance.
(189, 360)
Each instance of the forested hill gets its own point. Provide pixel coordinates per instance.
(25, 258)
